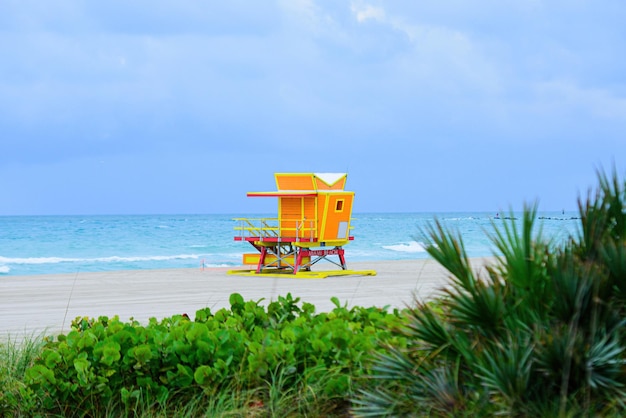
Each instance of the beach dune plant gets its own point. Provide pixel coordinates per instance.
(539, 332)
(16, 357)
(279, 359)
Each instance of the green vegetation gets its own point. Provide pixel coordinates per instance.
(538, 333)
(15, 358)
(279, 360)
(541, 333)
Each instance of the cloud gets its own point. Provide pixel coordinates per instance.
(106, 82)
(355, 82)
(439, 67)
(417, 33)
(367, 12)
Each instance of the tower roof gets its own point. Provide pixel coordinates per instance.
(305, 184)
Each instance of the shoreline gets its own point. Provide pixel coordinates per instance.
(47, 304)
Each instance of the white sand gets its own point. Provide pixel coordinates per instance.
(31, 305)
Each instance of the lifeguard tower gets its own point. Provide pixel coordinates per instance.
(313, 224)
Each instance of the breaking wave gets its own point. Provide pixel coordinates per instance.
(113, 259)
(410, 247)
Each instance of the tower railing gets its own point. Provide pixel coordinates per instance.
(273, 228)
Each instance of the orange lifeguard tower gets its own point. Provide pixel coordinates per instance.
(313, 223)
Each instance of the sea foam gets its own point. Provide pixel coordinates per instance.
(411, 247)
(112, 259)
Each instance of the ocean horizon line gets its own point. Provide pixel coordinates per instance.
(244, 214)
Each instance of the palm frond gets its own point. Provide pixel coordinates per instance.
(481, 308)
(605, 363)
(603, 215)
(522, 249)
(448, 250)
(572, 283)
(506, 370)
(381, 403)
(613, 256)
(392, 372)
(443, 390)
(614, 198)
(395, 365)
(429, 327)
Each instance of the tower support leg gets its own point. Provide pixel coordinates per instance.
(298, 260)
(342, 258)
(261, 260)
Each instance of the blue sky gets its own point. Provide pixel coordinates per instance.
(430, 106)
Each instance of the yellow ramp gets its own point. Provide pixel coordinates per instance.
(287, 274)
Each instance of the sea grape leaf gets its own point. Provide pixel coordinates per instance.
(40, 375)
(203, 375)
(51, 358)
(142, 353)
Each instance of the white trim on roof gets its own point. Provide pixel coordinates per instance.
(330, 178)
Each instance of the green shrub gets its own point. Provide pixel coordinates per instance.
(538, 333)
(272, 352)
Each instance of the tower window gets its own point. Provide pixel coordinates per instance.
(339, 205)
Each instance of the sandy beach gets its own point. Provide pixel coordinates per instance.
(32, 305)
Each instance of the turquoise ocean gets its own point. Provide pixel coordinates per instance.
(76, 244)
